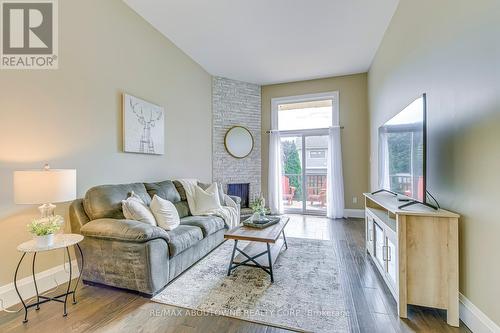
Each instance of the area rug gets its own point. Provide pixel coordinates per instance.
(306, 294)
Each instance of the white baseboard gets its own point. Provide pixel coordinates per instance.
(45, 280)
(356, 213)
(474, 318)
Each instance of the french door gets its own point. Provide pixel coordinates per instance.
(303, 123)
(304, 171)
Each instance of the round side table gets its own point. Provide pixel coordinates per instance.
(60, 241)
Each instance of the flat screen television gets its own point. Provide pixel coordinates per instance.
(402, 152)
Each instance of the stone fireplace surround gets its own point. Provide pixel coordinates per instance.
(236, 103)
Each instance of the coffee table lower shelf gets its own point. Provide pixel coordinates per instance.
(257, 254)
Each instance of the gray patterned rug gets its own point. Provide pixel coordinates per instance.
(306, 294)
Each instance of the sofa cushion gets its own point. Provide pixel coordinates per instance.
(165, 190)
(208, 224)
(182, 238)
(105, 201)
(182, 208)
(180, 189)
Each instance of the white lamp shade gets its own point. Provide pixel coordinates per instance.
(44, 186)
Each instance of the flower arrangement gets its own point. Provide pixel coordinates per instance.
(45, 225)
(259, 206)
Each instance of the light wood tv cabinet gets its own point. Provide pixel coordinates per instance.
(415, 250)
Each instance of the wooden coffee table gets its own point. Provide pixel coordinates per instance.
(262, 242)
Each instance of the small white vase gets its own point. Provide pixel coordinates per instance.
(44, 241)
(258, 217)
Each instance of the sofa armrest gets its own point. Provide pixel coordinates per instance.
(77, 216)
(123, 230)
(231, 203)
(236, 199)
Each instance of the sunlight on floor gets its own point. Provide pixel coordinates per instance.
(308, 226)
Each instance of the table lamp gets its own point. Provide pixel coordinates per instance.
(44, 187)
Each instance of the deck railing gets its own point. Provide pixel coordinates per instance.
(315, 187)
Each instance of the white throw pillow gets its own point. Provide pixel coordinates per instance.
(207, 200)
(165, 213)
(135, 209)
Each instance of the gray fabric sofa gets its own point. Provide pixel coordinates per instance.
(133, 255)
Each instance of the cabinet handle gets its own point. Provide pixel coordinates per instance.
(389, 257)
(370, 235)
(384, 253)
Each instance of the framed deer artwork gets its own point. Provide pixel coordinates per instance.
(143, 126)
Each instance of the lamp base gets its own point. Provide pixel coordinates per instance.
(47, 210)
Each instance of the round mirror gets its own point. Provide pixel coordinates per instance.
(238, 142)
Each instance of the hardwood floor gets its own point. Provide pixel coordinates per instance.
(371, 306)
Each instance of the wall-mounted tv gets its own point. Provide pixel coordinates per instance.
(402, 152)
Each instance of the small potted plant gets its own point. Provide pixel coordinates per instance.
(259, 209)
(44, 228)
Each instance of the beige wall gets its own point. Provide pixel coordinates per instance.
(353, 115)
(71, 117)
(449, 49)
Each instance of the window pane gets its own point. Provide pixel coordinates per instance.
(305, 115)
(317, 154)
(291, 181)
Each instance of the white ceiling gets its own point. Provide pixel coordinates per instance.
(272, 41)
